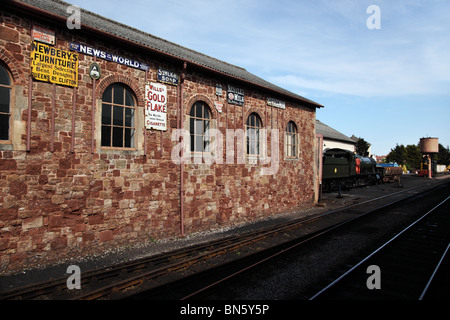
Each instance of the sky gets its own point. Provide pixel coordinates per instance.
(389, 85)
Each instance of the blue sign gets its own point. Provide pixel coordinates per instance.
(107, 56)
(168, 77)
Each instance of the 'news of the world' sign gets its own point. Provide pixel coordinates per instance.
(108, 56)
(156, 106)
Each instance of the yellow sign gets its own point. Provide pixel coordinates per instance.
(54, 65)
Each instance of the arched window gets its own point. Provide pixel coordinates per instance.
(253, 134)
(200, 120)
(5, 103)
(118, 112)
(291, 140)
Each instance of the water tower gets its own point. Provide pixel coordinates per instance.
(427, 147)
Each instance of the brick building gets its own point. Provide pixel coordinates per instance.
(90, 152)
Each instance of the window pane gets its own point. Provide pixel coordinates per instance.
(107, 95)
(117, 137)
(294, 147)
(129, 117)
(129, 101)
(251, 134)
(4, 76)
(118, 116)
(198, 143)
(192, 125)
(198, 127)
(4, 99)
(199, 109)
(106, 114)
(291, 127)
(192, 142)
(129, 138)
(106, 136)
(206, 112)
(118, 94)
(192, 113)
(4, 127)
(252, 147)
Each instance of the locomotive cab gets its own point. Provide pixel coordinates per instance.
(338, 163)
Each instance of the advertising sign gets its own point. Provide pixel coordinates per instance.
(276, 103)
(43, 35)
(54, 65)
(168, 77)
(156, 106)
(218, 89)
(107, 56)
(235, 95)
(219, 106)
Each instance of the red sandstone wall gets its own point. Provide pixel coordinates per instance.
(63, 199)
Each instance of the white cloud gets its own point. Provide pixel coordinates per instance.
(321, 45)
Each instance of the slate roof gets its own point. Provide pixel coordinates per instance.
(149, 41)
(330, 133)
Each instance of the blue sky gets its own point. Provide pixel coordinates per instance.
(389, 85)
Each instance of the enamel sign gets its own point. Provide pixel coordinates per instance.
(156, 106)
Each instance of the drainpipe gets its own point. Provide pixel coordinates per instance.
(319, 155)
(30, 97)
(183, 74)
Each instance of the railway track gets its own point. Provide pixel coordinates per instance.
(215, 283)
(119, 280)
(405, 267)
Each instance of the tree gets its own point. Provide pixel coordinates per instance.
(398, 155)
(409, 156)
(413, 156)
(362, 147)
(443, 157)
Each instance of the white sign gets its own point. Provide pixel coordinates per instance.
(219, 106)
(156, 106)
(218, 89)
(43, 35)
(276, 103)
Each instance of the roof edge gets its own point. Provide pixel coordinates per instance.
(44, 13)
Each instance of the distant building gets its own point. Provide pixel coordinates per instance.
(333, 138)
(381, 159)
